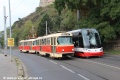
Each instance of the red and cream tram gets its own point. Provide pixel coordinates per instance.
(28, 45)
(55, 45)
(87, 42)
(21, 45)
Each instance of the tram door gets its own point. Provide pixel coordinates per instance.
(31, 45)
(40, 43)
(21, 45)
(53, 43)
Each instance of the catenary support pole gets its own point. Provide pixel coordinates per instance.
(5, 32)
(46, 28)
(10, 28)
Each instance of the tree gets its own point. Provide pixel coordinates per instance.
(2, 41)
(101, 14)
(42, 25)
(72, 5)
(26, 28)
(15, 35)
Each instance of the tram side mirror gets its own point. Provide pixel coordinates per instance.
(73, 42)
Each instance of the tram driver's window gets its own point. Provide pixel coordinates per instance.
(75, 40)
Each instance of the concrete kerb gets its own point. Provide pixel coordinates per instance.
(21, 70)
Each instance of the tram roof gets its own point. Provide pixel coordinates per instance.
(22, 40)
(27, 40)
(31, 40)
(58, 34)
(76, 32)
(39, 38)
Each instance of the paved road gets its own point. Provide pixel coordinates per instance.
(106, 68)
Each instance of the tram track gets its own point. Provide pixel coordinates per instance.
(84, 69)
(70, 64)
(109, 57)
(59, 61)
(96, 61)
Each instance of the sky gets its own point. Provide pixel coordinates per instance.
(19, 9)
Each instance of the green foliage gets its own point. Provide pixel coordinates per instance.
(27, 32)
(107, 32)
(2, 41)
(59, 5)
(100, 14)
(42, 25)
(111, 9)
(15, 35)
(69, 22)
(38, 9)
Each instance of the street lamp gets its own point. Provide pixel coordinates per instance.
(10, 18)
(5, 32)
(10, 27)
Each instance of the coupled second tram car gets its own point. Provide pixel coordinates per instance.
(87, 42)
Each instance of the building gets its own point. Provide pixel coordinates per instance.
(44, 3)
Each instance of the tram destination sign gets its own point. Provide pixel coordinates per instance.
(65, 34)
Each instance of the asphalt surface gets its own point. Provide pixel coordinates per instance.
(8, 68)
(38, 67)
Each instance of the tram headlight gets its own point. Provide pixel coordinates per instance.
(85, 49)
(63, 50)
(72, 49)
(101, 49)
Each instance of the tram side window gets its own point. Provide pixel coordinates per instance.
(48, 41)
(78, 41)
(75, 40)
(20, 44)
(42, 41)
(37, 42)
(25, 43)
(34, 42)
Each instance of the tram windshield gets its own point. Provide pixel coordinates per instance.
(64, 40)
(91, 38)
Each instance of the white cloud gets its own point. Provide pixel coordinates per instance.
(19, 9)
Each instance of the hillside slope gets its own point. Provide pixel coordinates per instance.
(24, 26)
(34, 23)
(27, 26)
